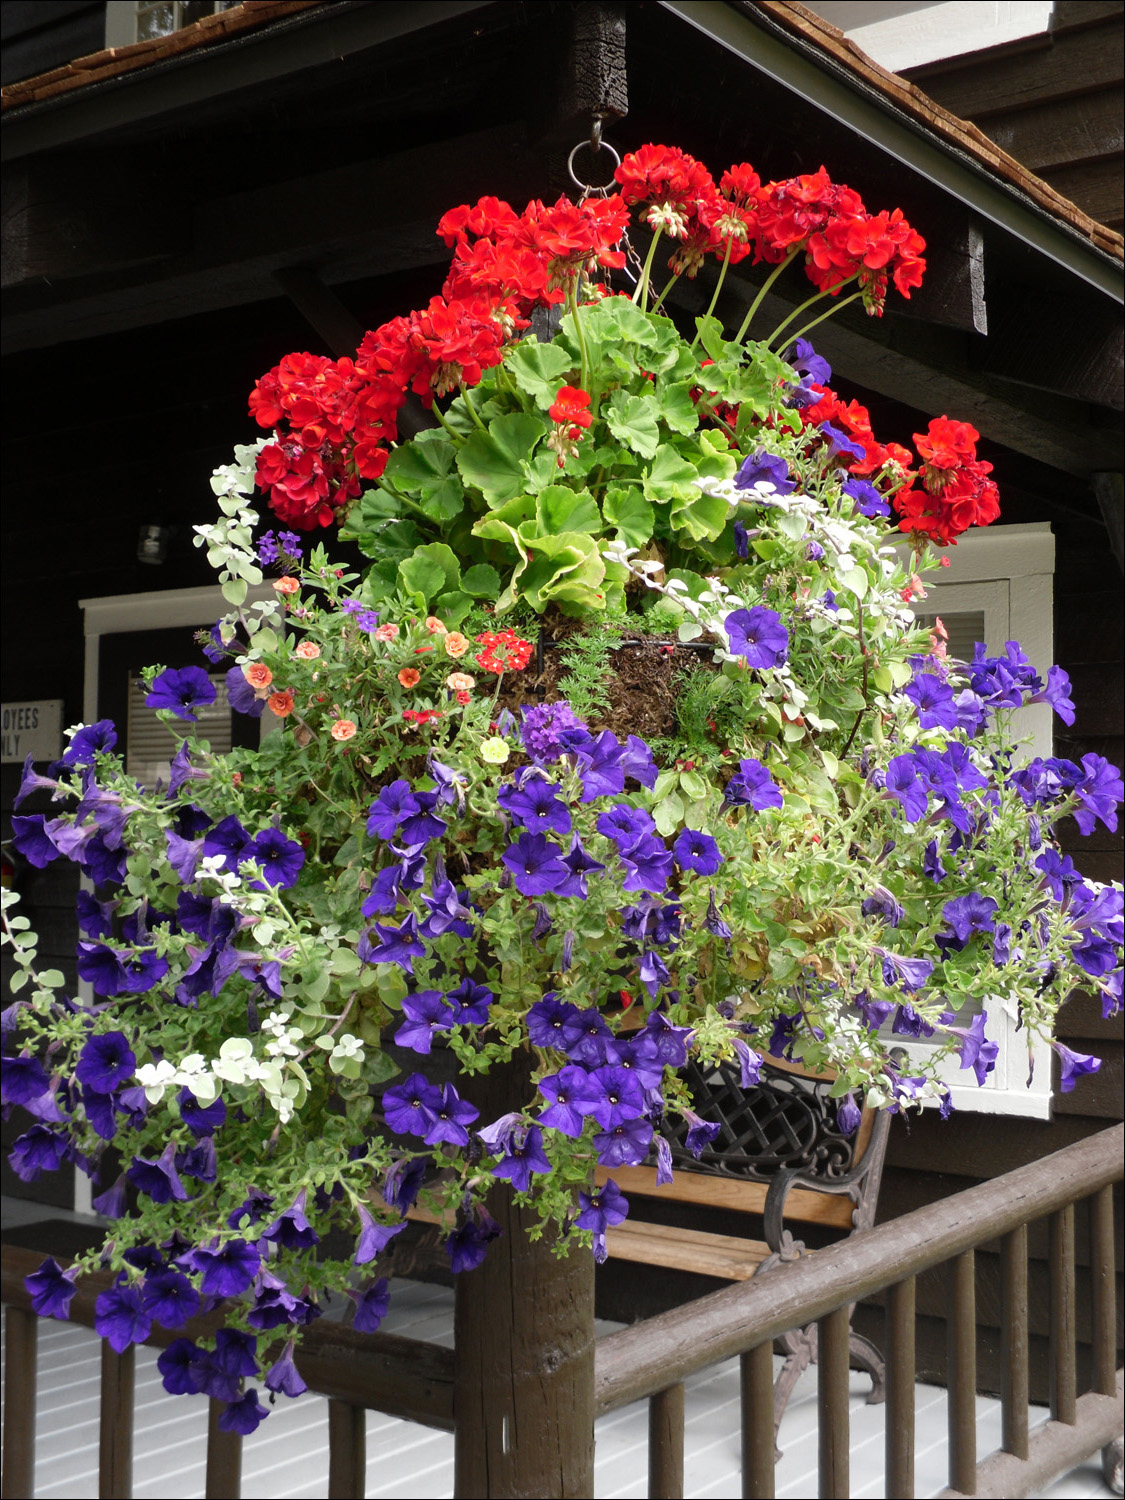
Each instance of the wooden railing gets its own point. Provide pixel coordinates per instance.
(652, 1359)
(416, 1380)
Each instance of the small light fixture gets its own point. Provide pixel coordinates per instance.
(153, 543)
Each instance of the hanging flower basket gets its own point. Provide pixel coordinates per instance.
(481, 825)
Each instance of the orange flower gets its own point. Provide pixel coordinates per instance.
(455, 644)
(464, 698)
(307, 651)
(460, 682)
(409, 677)
(286, 585)
(343, 729)
(236, 778)
(280, 704)
(386, 632)
(434, 625)
(257, 674)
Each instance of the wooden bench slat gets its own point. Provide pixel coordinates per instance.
(725, 1192)
(722, 1255)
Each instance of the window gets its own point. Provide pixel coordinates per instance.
(129, 21)
(999, 587)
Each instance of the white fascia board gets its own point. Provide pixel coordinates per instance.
(935, 32)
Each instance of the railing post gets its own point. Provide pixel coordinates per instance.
(899, 1436)
(1104, 1291)
(756, 1389)
(20, 1358)
(961, 1372)
(833, 1334)
(1013, 1342)
(524, 1336)
(224, 1458)
(347, 1451)
(666, 1444)
(115, 1437)
(1064, 1393)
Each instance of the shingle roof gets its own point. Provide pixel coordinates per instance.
(911, 100)
(961, 134)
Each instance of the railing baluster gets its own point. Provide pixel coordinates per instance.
(833, 1333)
(1104, 1288)
(756, 1384)
(20, 1357)
(961, 1372)
(1064, 1392)
(115, 1436)
(666, 1444)
(347, 1451)
(1013, 1342)
(224, 1458)
(899, 1439)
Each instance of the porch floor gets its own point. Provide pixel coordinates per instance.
(288, 1455)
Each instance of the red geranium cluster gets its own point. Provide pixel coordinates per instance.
(855, 420)
(504, 651)
(570, 412)
(956, 492)
(842, 241)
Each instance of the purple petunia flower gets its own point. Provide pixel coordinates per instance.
(469, 1242)
(228, 1270)
(906, 787)
(599, 1211)
(120, 1318)
(569, 1093)
(201, 1119)
(280, 858)
(1099, 791)
(182, 690)
(32, 840)
(536, 864)
(373, 1236)
(882, 903)
(554, 1023)
(426, 1012)
(1072, 1065)
(700, 1133)
(868, 501)
(179, 1367)
(579, 864)
(291, 1230)
(393, 805)
(601, 766)
(624, 825)
(653, 972)
(848, 1115)
(932, 866)
(283, 1376)
(839, 442)
(158, 1179)
(169, 1298)
(371, 1305)
(933, 700)
(230, 840)
(106, 1063)
(244, 1415)
(536, 806)
(969, 914)
(241, 696)
(698, 851)
(410, 1107)
(613, 1095)
(22, 1079)
(51, 1289)
(758, 636)
(396, 945)
(765, 475)
(752, 786)
(89, 741)
(591, 1039)
(648, 864)
(470, 1003)
(452, 1116)
(908, 973)
(671, 1042)
(38, 1150)
(523, 1157)
(625, 1145)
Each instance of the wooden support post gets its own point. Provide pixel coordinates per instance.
(347, 1451)
(1013, 1342)
(115, 1438)
(666, 1444)
(1102, 1278)
(20, 1355)
(899, 1441)
(756, 1369)
(833, 1333)
(524, 1338)
(961, 1372)
(224, 1458)
(1064, 1390)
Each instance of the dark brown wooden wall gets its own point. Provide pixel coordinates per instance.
(1052, 102)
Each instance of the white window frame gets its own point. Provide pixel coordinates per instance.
(1007, 572)
(121, 20)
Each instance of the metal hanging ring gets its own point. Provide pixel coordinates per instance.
(585, 186)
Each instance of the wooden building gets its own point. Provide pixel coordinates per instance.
(180, 211)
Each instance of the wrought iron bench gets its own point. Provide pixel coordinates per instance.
(781, 1158)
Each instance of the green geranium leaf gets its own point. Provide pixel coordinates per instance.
(540, 369)
(626, 509)
(482, 582)
(567, 568)
(633, 420)
(430, 570)
(558, 509)
(451, 608)
(703, 518)
(677, 408)
(672, 476)
(711, 337)
(494, 461)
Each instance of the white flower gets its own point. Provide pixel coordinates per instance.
(347, 1046)
(156, 1079)
(236, 1062)
(282, 1044)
